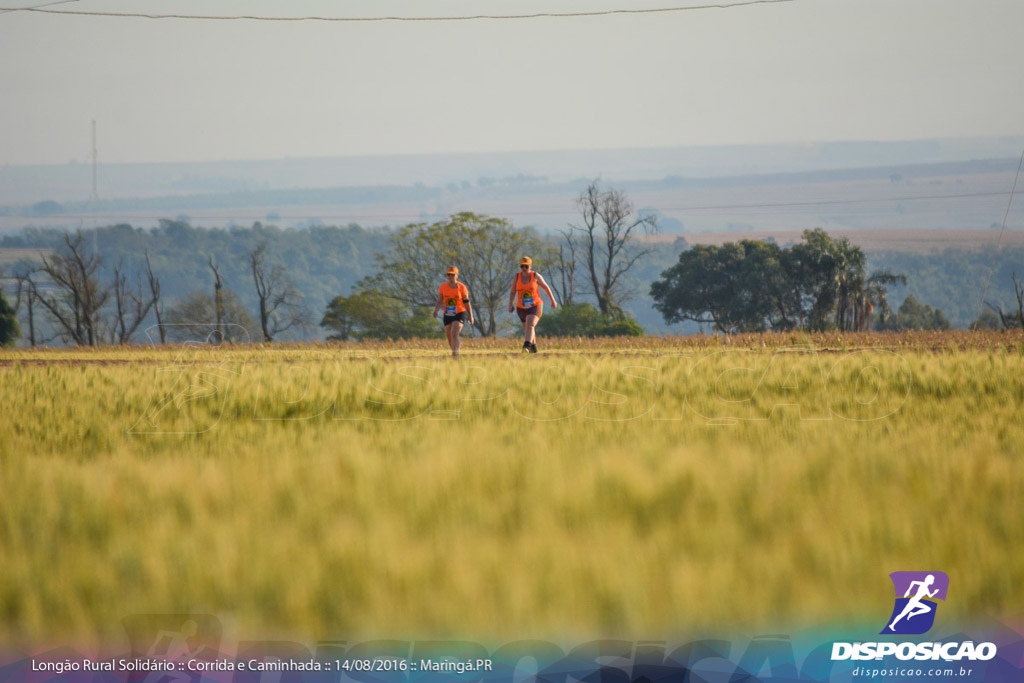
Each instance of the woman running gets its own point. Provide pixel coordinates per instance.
(454, 297)
(525, 296)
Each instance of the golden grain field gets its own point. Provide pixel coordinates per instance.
(647, 488)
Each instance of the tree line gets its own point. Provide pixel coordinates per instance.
(72, 295)
(590, 258)
(205, 280)
(178, 282)
(83, 310)
(753, 286)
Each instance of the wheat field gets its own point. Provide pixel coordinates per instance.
(656, 487)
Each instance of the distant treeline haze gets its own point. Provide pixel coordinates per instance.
(316, 265)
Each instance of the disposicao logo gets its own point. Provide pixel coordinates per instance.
(914, 612)
(917, 594)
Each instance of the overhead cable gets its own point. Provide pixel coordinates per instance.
(999, 242)
(536, 15)
(36, 7)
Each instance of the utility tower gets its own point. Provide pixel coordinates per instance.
(95, 191)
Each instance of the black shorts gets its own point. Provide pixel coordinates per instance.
(524, 312)
(457, 318)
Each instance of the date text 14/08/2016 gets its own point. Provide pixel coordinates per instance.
(445, 665)
(347, 665)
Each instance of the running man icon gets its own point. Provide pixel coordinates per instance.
(915, 607)
(920, 590)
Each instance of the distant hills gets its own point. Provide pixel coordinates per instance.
(960, 184)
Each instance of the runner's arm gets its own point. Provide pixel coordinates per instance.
(547, 290)
(439, 304)
(469, 306)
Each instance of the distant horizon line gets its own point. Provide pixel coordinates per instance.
(1017, 139)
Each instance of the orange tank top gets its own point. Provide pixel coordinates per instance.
(528, 296)
(453, 297)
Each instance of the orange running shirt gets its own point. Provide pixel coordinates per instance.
(453, 297)
(528, 296)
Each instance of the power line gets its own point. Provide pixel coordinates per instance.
(538, 15)
(999, 242)
(36, 7)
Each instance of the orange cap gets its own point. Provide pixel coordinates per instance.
(452, 270)
(526, 261)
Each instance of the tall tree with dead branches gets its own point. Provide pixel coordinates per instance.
(608, 240)
(564, 282)
(78, 298)
(221, 333)
(280, 302)
(26, 289)
(154, 290)
(130, 306)
(1014, 320)
(9, 329)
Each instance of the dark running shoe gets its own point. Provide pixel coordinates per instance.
(533, 348)
(527, 347)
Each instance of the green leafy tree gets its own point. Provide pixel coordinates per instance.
(835, 289)
(813, 266)
(585, 320)
(877, 291)
(365, 315)
(620, 328)
(737, 287)
(988, 320)
(200, 316)
(697, 289)
(751, 286)
(914, 315)
(486, 250)
(9, 330)
(571, 320)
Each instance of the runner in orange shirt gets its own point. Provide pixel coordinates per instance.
(525, 296)
(453, 296)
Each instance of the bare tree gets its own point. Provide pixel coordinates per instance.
(26, 289)
(280, 301)
(10, 330)
(1013, 319)
(220, 333)
(154, 290)
(565, 284)
(607, 236)
(193, 318)
(76, 304)
(130, 307)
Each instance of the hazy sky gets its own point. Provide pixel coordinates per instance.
(799, 71)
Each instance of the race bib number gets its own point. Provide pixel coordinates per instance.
(449, 307)
(527, 300)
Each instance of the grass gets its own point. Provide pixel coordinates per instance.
(673, 487)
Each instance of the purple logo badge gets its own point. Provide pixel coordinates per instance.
(916, 595)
